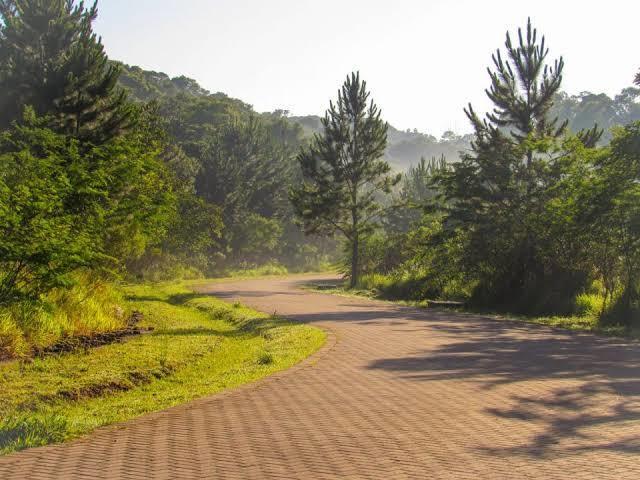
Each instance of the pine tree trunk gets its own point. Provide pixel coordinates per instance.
(356, 239)
(354, 261)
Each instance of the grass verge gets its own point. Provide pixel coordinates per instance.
(585, 323)
(199, 346)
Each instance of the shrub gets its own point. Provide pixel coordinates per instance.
(257, 238)
(158, 266)
(624, 310)
(589, 304)
(36, 189)
(12, 342)
(371, 281)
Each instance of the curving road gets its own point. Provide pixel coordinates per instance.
(397, 392)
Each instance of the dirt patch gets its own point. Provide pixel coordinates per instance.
(129, 381)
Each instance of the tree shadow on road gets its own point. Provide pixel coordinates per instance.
(590, 384)
(586, 393)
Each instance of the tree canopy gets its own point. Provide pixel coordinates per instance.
(53, 62)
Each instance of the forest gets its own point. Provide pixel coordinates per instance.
(112, 174)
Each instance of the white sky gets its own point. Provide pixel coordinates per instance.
(423, 60)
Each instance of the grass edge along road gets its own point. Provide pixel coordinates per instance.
(587, 323)
(199, 346)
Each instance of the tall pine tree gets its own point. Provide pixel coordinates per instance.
(52, 61)
(498, 195)
(343, 170)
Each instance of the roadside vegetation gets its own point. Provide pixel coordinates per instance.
(198, 346)
(112, 173)
(534, 219)
(90, 306)
(586, 316)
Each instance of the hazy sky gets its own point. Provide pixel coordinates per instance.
(423, 60)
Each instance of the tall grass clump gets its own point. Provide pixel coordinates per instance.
(87, 307)
(416, 286)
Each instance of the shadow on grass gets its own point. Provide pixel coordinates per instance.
(182, 298)
(144, 298)
(234, 333)
(176, 299)
(26, 432)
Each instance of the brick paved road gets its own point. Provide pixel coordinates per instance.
(395, 393)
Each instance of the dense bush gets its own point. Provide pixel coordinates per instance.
(41, 239)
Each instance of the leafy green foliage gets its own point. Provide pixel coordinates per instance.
(61, 211)
(534, 219)
(234, 159)
(41, 239)
(617, 240)
(83, 181)
(242, 170)
(178, 181)
(257, 238)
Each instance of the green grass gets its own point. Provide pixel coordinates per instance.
(589, 305)
(268, 269)
(273, 269)
(199, 346)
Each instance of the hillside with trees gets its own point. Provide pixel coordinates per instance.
(218, 145)
(405, 148)
(111, 173)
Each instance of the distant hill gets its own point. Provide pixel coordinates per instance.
(147, 85)
(405, 147)
(585, 109)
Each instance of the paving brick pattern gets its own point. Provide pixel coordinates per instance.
(395, 393)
